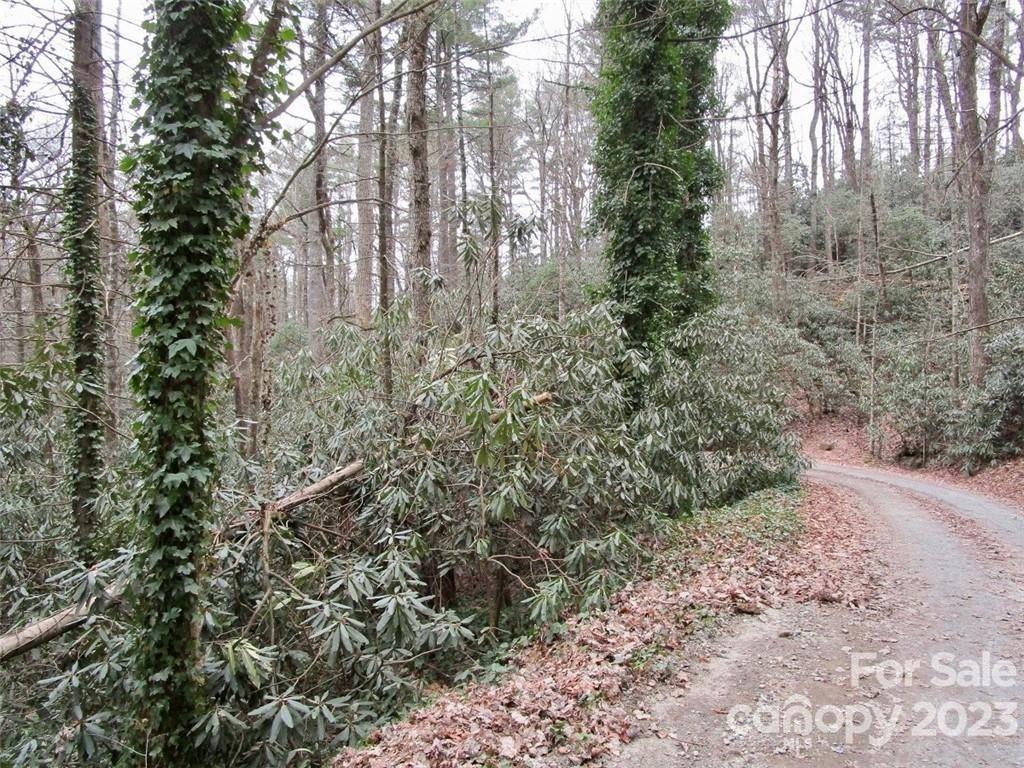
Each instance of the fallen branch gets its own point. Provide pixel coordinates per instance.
(911, 267)
(317, 490)
(961, 331)
(38, 632)
(26, 638)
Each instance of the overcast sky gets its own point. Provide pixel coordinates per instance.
(541, 47)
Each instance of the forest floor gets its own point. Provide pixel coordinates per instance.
(586, 694)
(753, 616)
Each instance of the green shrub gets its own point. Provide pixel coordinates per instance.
(480, 516)
(991, 425)
(914, 400)
(715, 425)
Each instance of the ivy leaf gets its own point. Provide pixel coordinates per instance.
(180, 344)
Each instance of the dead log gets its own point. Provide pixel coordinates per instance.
(42, 631)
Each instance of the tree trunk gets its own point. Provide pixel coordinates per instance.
(114, 263)
(188, 208)
(976, 155)
(926, 150)
(387, 157)
(779, 37)
(494, 214)
(365, 191)
(447, 254)
(263, 327)
(321, 198)
(82, 227)
(461, 124)
(817, 89)
(1014, 140)
(908, 70)
(34, 261)
(416, 116)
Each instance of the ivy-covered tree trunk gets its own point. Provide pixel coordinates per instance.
(656, 171)
(82, 242)
(190, 187)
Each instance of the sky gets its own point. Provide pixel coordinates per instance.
(543, 41)
(45, 22)
(541, 44)
(540, 47)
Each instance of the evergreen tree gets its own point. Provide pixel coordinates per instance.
(656, 172)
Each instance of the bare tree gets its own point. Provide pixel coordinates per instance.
(978, 142)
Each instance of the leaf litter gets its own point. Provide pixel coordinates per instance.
(565, 702)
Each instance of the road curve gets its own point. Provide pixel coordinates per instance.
(934, 653)
(998, 517)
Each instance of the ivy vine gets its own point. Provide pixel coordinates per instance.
(82, 243)
(655, 170)
(191, 185)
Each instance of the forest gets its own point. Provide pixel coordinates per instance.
(350, 347)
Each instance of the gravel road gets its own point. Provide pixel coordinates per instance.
(932, 674)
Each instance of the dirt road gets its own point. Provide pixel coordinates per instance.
(932, 674)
